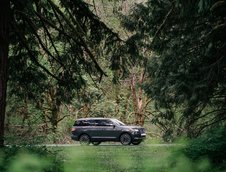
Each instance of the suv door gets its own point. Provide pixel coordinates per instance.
(107, 129)
(93, 130)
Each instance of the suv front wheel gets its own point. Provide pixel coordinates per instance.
(96, 143)
(136, 143)
(84, 139)
(125, 139)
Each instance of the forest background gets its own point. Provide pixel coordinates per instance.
(136, 61)
(155, 63)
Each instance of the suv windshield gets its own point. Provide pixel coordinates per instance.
(118, 122)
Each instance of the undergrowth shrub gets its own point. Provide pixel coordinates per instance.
(30, 159)
(211, 145)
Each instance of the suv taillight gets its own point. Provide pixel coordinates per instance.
(73, 129)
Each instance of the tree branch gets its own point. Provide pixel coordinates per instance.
(163, 23)
(78, 32)
(32, 56)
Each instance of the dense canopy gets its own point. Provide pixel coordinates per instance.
(186, 70)
(54, 41)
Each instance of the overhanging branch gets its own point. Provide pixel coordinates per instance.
(32, 56)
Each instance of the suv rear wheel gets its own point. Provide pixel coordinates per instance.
(84, 139)
(125, 139)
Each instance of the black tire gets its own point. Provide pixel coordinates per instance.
(96, 143)
(125, 139)
(136, 143)
(84, 139)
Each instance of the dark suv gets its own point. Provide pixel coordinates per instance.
(97, 130)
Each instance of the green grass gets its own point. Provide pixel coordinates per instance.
(117, 158)
(102, 158)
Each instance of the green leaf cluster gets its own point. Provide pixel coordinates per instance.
(211, 145)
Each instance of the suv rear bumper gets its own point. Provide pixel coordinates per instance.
(74, 137)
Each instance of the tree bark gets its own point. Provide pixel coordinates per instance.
(137, 95)
(4, 48)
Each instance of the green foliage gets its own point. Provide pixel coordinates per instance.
(186, 66)
(146, 158)
(211, 145)
(182, 163)
(29, 158)
(54, 46)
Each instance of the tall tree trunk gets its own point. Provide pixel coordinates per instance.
(54, 107)
(55, 114)
(4, 47)
(140, 101)
(137, 96)
(134, 95)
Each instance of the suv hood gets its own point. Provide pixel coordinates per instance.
(133, 127)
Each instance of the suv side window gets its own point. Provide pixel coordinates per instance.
(82, 123)
(104, 123)
(92, 123)
(85, 123)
